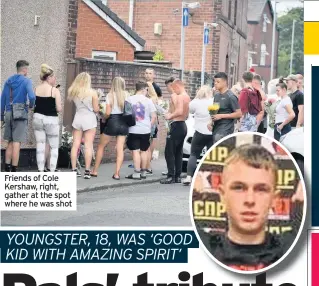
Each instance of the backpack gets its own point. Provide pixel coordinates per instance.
(254, 100)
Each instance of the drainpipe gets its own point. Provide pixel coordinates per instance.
(131, 13)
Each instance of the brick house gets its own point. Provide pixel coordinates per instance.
(102, 34)
(260, 27)
(96, 33)
(227, 49)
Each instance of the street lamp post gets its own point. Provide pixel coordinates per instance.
(292, 45)
(185, 15)
(183, 39)
(205, 36)
(205, 43)
(273, 43)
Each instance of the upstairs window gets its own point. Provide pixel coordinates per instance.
(264, 26)
(263, 54)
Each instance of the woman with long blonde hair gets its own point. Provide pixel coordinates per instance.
(85, 122)
(115, 126)
(203, 137)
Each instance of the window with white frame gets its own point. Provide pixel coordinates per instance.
(103, 55)
(264, 26)
(265, 23)
(262, 54)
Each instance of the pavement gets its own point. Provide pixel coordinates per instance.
(103, 201)
(147, 205)
(104, 179)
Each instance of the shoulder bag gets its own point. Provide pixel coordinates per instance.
(129, 114)
(19, 110)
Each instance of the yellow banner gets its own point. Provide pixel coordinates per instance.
(311, 38)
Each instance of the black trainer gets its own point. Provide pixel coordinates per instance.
(87, 174)
(168, 180)
(7, 167)
(178, 180)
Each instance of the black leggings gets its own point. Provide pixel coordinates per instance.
(199, 141)
(174, 148)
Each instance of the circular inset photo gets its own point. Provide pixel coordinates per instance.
(248, 202)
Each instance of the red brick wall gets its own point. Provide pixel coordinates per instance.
(149, 12)
(120, 8)
(230, 40)
(94, 33)
(258, 37)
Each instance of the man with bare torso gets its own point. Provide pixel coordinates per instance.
(178, 113)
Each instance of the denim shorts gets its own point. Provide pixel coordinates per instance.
(15, 130)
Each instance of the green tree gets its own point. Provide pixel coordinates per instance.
(285, 23)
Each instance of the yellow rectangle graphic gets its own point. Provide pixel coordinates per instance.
(311, 38)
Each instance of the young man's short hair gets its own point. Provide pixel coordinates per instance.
(221, 75)
(150, 69)
(248, 76)
(257, 77)
(21, 64)
(254, 156)
(169, 80)
(140, 85)
(178, 82)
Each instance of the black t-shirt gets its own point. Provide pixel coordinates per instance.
(247, 257)
(157, 89)
(297, 99)
(228, 103)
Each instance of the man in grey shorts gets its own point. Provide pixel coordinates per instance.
(15, 131)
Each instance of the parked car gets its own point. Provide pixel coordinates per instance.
(294, 142)
(190, 122)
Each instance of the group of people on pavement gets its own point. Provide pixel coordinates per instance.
(244, 107)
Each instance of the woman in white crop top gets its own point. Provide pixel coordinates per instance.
(85, 122)
(202, 136)
(284, 111)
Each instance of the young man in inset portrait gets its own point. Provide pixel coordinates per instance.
(248, 190)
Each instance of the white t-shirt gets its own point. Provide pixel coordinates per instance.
(115, 108)
(143, 107)
(199, 107)
(281, 112)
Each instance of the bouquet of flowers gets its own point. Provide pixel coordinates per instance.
(270, 107)
(162, 108)
(102, 102)
(66, 139)
(213, 109)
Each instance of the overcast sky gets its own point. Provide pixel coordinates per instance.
(285, 5)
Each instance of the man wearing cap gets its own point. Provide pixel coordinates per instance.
(300, 82)
(297, 100)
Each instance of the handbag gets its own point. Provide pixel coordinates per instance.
(129, 114)
(19, 111)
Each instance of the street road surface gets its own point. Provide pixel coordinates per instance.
(139, 205)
